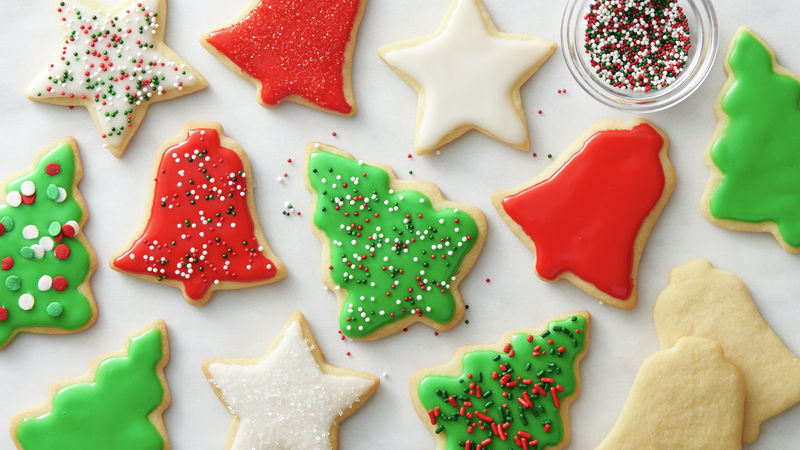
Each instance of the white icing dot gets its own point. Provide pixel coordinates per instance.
(45, 282)
(13, 199)
(62, 195)
(47, 243)
(26, 302)
(38, 251)
(30, 232)
(28, 188)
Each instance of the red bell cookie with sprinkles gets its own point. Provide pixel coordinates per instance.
(394, 251)
(512, 395)
(115, 63)
(46, 260)
(202, 233)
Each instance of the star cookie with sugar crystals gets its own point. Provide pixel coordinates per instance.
(468, 76)
(289, 398)
(115, 63)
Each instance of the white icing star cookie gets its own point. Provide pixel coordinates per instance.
(468, 76)
(290, 398)
(115, 63)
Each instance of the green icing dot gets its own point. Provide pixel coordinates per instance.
(7, 222)
(13, 283)
(55, 309)
(54, 228)
(52, 192)
(26, 252)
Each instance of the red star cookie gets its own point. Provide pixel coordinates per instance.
(589, 214)
(298, 50)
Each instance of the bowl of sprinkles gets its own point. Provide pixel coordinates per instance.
(643, 55)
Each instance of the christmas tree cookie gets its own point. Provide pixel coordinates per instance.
(115, 63)
(290, 398)
(46, 260)
(754, 155)
(512, 395)
(710, 303)
(118, 404)
(202, 233)
(295, 50)
(394, 251)
(688, 396)
(468, 76)
(587, 217)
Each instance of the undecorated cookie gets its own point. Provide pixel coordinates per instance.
(587, 216)
(754, 156)
(297, 50)
(468, 76)
(202, 232)
(117, 405)
(706, 302)
(290, 398)
(685, 397)
(115, 63)
(394, 251)
(515, 394)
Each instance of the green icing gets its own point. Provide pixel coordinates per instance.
(478, 370)
(758, 151)
(27, 269)
(392, 253)
(109, 413)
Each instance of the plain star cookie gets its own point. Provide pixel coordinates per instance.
(119, 404)
(468, 76)
(297, 50)
(515, 394)
(46, 260)
(290, 398)
(115, 63)
(587, 217)
(394, 251)
(202, 233)
(754, 155)
(688, 396)
(710, 303)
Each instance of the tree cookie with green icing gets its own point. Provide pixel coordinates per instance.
(515, 394)
(118, 404)
(46, 260)
(394, 251)
(754, 156)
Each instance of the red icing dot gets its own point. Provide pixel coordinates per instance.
(67, 230)
(52, 169)
(8, 263)
(2, 229)
(59, 283)
(28, 199)
(3, 314)
(62, 251)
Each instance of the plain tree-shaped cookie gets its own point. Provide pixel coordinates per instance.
(685, 397)
(707, 302)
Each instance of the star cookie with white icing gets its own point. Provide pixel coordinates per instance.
(468, 76)
(290, 398)
(115, 63)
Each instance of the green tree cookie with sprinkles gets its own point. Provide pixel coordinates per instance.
(394, 251)
(514, 395)
(754, 155)
(46, 260)
(117, 405)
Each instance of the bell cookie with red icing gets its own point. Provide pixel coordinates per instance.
(202, 232)
(587, 216)
(115, 63)
(46, 259)
(295, 50)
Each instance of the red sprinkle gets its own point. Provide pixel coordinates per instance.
(52, 169)
(62, 251)
(3, 314)
(8, 263)
(59, 283)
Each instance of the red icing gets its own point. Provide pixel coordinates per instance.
(67, 230)
(172, 208)
(52, 169)
(62, 251)
(585, 218)
(59, 283)
(8, 263)
(28, 199)
(294, 47)
(2, 229)
(3, 314)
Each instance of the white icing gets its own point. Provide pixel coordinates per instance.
(62, 195)
(285, 401)
(30, 232)
(26, 302)
(28, 188)
(13, 198)
(468, 76)
(45, 283)
(47, 243)
(131, 17)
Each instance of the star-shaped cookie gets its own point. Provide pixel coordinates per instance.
(468, 76)
(291, 398)
(298, 50)
(115, 63)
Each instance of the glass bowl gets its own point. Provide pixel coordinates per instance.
(704, 38)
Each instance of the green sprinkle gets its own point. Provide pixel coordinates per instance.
(13, 283)
(7, 222)
(52, 191)
(26, 252)
(54, 228)
(55, 309)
